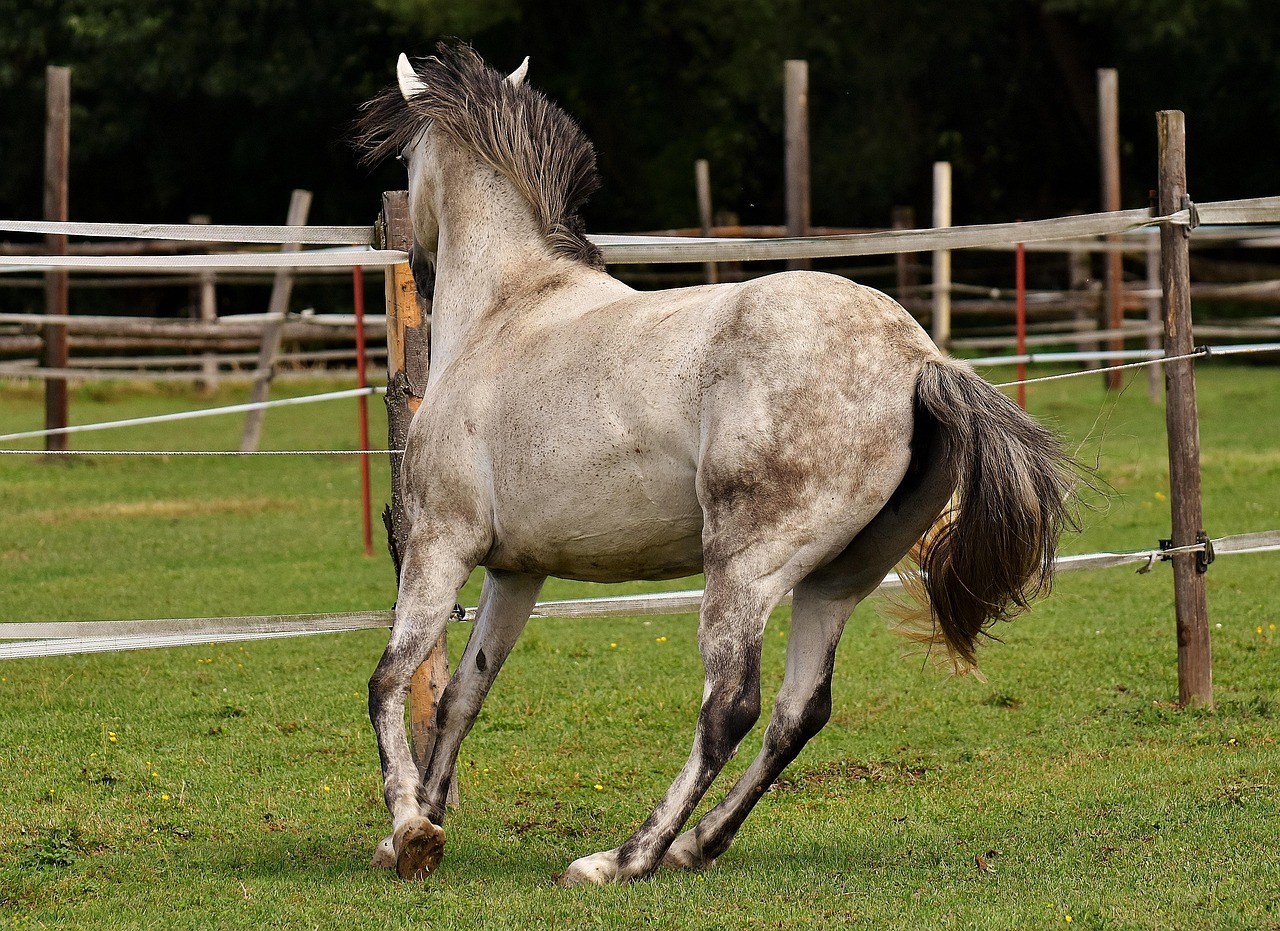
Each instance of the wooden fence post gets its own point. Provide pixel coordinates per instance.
(408, 333)
(1195, 666)
(796, 109)
(702, 182)
(57, 153)
(273, 329)
(904, 218)
(206, 293)
(941, 323)
(1109, 145)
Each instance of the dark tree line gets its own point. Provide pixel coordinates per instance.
(221, 107)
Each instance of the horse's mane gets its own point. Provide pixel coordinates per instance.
(514, 129)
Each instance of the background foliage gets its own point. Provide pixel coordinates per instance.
(222, 106)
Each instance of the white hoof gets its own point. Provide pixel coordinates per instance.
(384, 857)
(599, 869)
(685, 853)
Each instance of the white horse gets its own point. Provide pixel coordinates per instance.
(798, 432)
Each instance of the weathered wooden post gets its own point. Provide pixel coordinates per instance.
(796, 111)
(904, 218)
(941, 325)
(408, 334)
(57, 153)
(206, 294)
(273, 329)
(1195, 665)
(1109, 145)
(702, 183)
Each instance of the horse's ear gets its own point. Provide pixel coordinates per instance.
(410, 84)
(516, 78)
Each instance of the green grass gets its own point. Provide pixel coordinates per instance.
(238, 785)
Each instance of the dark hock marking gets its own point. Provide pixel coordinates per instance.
(724, 722)
(816, 713)
(442, 709)
(792, 731)
(376, 703)
(481, 662)
(423, 266)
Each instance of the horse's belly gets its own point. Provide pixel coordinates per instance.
(601, 536)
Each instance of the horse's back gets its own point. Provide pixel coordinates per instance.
(598, 438)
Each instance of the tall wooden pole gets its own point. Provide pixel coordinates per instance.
(904, 218)
(1195, 666)
(942, 258)
(57, 153)
(702, 182)
(408, 361)
(1109, 147)
(796, 80)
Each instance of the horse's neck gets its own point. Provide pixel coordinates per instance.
(489, 241)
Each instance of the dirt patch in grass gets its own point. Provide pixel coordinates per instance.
(164, 508)
(840, 771)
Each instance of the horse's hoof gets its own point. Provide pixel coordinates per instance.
(599, 869)
(384, 857)
(419, 845)
(686, 854)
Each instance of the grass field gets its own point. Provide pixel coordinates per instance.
(238, 786)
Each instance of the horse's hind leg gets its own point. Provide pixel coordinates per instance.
(801, 709)
(729, 637)
(431, 575)
(821, 606)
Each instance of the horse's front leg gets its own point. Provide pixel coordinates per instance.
(505, 603)
(729, 637)
(431, 574)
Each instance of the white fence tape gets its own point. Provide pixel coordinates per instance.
(191, 415)
(652, 249)
(620, 250)
(1152, 357)
(319, 258)
(166, 453)
(64, 638)
(198, 232)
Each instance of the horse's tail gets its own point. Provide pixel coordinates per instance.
(991, 551)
